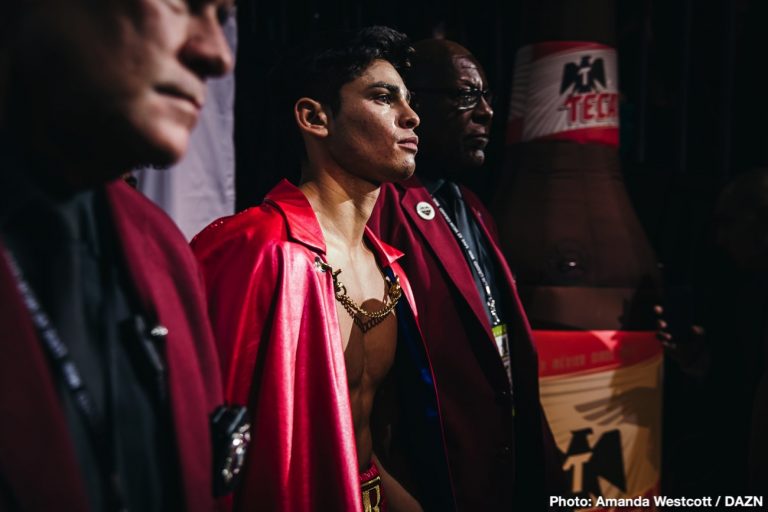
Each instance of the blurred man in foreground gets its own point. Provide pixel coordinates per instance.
(107, 367)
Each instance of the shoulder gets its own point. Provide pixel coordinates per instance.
(390, 215)
(475, 202)
(395, 193)
(481, 211)
(255, 240)
(252, 228)
(137, 211)
(388, 200)
(140, 221)
(390, 192)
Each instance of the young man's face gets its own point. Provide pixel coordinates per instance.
(372, 134)
(123, 78)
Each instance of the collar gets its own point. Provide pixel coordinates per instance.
(301, 220)
(418, 185)
(72, 217)
(432, 184)
(304, 228)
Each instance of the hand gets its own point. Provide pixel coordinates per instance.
(689, 350)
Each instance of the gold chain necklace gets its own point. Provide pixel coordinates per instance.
(394, 292)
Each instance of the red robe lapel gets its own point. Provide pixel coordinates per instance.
(443, 243)
(165, 277)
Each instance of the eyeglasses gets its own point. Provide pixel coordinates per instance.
(466, 98)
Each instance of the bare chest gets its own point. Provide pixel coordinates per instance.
(367, 323)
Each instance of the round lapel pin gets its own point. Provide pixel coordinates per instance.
(425, 210)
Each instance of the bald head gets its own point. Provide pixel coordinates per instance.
(448, 84)
(434, 62)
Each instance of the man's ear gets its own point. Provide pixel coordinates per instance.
(311, 117)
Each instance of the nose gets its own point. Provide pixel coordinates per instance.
(409, 118)
(483, 112)
(206, 50)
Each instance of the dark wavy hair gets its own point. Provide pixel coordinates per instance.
(319, 67)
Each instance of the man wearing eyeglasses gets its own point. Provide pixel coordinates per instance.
(479, 340)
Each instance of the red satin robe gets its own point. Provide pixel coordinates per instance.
(274, 315)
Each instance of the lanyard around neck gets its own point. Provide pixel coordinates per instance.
(61, 360)
(498, 329)
(490, 301)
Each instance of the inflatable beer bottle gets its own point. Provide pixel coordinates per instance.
(585, 269)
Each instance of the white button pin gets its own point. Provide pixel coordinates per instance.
(425, 210)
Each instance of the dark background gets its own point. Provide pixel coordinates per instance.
(693, 115)
(692, 78)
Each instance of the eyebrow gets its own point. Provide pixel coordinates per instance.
(468, 82)
(228, 5)
(392, 88)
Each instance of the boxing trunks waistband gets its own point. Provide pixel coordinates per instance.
(370, 487)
